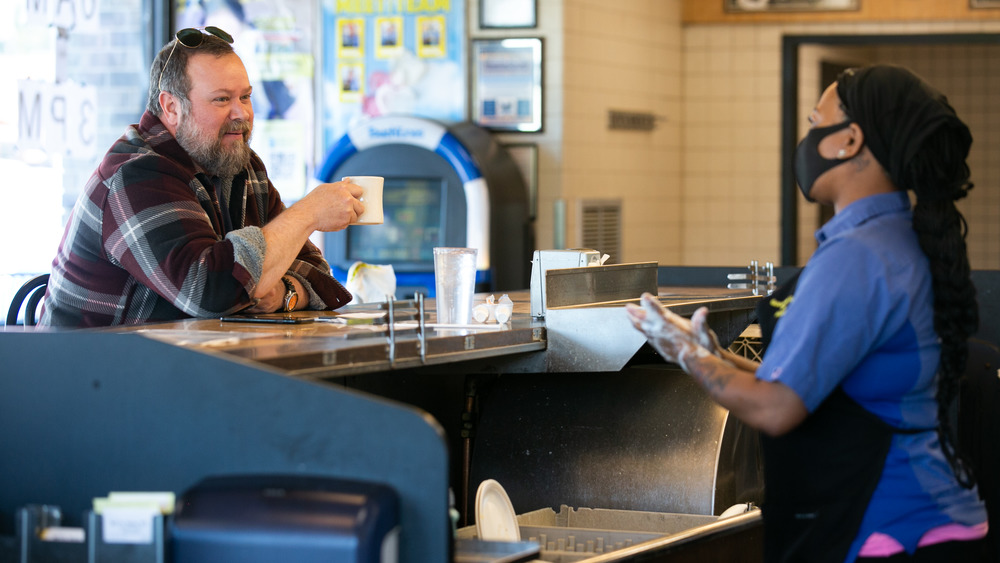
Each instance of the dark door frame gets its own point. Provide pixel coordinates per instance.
(790, 111)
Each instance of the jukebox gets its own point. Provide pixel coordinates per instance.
(444, 186)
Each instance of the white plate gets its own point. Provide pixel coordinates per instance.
(495, 518)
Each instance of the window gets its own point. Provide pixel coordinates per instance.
(68, 75)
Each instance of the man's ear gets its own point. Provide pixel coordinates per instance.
(171, 110)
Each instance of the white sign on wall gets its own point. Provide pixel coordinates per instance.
(76, 15)
(57, 118)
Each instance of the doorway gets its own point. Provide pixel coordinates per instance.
(965, 67)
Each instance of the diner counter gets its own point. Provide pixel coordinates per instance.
(359, 339)
(160, 406)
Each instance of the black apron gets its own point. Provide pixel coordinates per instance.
(819, 477)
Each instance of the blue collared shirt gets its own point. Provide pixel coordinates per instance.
(862, 317)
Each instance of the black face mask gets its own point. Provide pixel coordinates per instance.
(809, 164)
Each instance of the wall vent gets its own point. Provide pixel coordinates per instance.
(601, 227)
(631, 120)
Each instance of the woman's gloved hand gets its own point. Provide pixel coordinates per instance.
(677, 339)
(706, 336)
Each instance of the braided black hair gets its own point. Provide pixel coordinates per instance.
(939, 177)
(922, 144)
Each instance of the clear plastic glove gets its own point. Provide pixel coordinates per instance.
(706, 336)
(670, 334)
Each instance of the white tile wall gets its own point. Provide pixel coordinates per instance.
(625, 56)
(969, 75)
(703, 188)
(731, 214)
(731, 141)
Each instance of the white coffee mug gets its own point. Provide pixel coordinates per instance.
(371, 196)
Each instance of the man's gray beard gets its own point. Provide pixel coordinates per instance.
(209, 153)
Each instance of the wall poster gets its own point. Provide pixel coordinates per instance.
(408, 60)
(388, 40)
(275, 40)
(351, 38)
(352, 88)
(433, 42)
(507, 84)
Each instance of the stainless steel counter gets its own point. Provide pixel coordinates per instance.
(579, 338)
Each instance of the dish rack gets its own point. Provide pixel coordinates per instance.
(577, 534)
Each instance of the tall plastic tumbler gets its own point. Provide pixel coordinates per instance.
(455, 284)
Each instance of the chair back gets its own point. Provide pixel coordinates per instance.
(32, 290)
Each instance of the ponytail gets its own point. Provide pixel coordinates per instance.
(939, 176)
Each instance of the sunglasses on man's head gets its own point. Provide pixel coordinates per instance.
(192, 38)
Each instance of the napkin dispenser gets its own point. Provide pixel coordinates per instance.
(544, 260)
(265, 518)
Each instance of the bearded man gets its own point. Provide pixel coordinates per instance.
(180, 220)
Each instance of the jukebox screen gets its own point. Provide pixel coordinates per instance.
(414, 214)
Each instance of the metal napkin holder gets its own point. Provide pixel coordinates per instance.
(565, 287)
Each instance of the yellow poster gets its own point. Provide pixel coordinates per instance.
(352, 81)
(351, 38)
(388, 37)
(431, 33)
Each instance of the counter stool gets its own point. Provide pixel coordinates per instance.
(33, 290)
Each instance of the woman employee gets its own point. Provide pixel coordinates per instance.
(854, 390)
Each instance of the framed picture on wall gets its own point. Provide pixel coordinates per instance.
(525, 155)
(507, 13)
(351, 38)
(984, 3)
(790, 5)
(507, 84)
